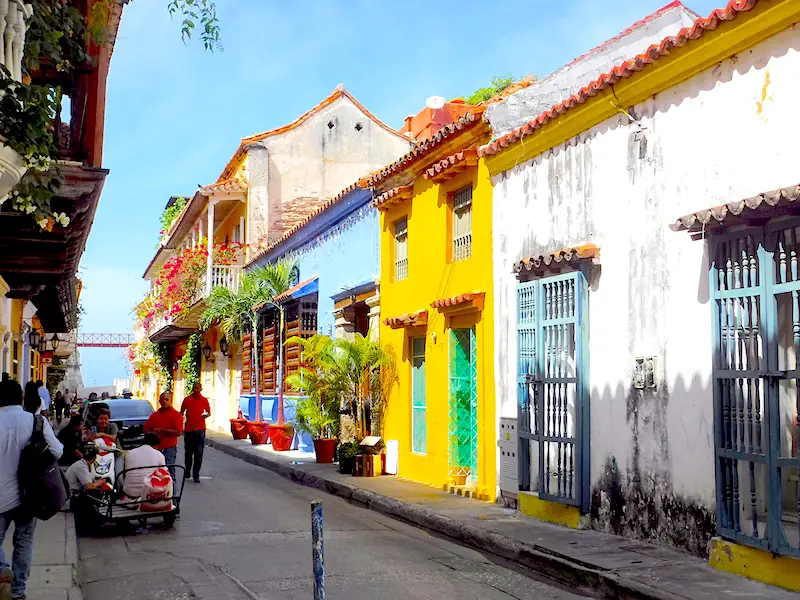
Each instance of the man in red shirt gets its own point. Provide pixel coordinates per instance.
(167, 424)
(197, 410)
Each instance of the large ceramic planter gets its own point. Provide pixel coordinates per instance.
(11, 169)
(325, 449)
(281, 437)
(239, 429)
(258, 432)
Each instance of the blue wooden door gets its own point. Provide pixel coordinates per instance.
(756, 319)
(552, 368)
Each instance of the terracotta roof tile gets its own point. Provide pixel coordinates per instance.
(622, 71)
(393, 196)
(571, 255)
(735, 211)
(454, 301)
(407, 320)
(232, 184)
(453, 164)
(305, 221)
(425, 147)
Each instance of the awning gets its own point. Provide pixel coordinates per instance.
(460, 303)
(407, 320)
(760, 206)
(304, 288)
(571, 256)
(355, 293)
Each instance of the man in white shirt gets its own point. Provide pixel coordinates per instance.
(44, 394)
(144, 456)
(16, 427)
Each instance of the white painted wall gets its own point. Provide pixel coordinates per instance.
(726, 134)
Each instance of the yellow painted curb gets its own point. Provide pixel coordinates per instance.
(552, 512)
(755, 564)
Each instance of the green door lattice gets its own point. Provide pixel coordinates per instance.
(463, 434)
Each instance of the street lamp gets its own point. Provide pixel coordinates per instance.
(223, 345)
(55, 341)
(207, 351)
(33, 338)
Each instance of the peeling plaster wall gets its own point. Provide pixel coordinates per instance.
(725, 134)
(291, 173)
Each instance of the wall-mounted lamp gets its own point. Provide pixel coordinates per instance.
(55, 341)
(223, 345)
(33, 338)
(207, 351)
(42, 345)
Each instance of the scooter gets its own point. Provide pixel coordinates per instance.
(104, 466)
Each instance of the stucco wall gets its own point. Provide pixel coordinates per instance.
(725, 134)
(292, 172)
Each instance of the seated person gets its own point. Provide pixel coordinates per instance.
(85, 489)
(145, 455)
(71, 437)
(105, 428)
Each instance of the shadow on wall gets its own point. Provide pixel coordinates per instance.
(637, 499)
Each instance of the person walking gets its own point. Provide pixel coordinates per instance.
(197, 410)
(58, 401)
(44, 394)
(167, 424)
(16, 428)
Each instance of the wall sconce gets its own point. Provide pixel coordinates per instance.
(55, 341)
(33, 338)
(42, 345)
(223, 345)
(207, 351)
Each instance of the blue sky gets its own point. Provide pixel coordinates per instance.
(175, 113)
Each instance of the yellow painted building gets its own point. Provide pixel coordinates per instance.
(436, 310)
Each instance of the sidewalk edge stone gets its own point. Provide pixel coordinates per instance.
(605, 584)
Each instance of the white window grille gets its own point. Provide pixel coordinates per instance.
(401, 249)
(462, 223)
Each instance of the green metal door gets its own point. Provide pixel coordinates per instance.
(463, 433)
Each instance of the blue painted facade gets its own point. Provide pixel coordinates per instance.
(340, 245)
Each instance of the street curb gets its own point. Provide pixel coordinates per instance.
(604, 584)
(74, 593)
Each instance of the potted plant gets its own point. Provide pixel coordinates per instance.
(239, 427)
(347, 453)
(317, 418)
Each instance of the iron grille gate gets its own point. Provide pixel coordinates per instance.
(553, 410)
(756, 376)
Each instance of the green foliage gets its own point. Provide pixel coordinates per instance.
(56, 32)
(198, 12)
(485, 93)
(171, 213)
(315, 417)
(190, 362)
(233, 311)
(163, 363)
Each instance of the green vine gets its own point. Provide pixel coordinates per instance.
(161, 354)
(190, 362)
(171, 213)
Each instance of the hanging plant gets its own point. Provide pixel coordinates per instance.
(163, 364)
(190, 362)
(171, 213)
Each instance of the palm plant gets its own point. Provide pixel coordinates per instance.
(235, 311)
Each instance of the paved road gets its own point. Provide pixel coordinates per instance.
(244, 533)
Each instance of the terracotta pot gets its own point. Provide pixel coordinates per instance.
(239, 429)
(258, 432)
(281, 437)
(325, 448)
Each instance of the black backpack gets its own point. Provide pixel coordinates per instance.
(42, 489)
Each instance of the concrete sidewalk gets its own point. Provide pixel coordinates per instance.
(601, 564)
(55, 559)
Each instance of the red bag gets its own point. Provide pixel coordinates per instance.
(157, 491)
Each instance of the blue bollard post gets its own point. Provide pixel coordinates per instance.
(317, 550)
